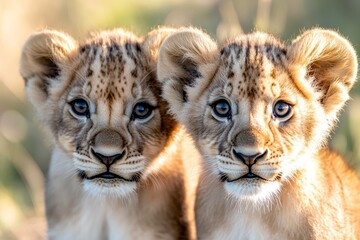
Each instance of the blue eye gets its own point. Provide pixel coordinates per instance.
(142, 110)
(282, 109)
(80, 107)
(222, 108)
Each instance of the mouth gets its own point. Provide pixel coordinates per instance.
(110, 176)
(249, 175)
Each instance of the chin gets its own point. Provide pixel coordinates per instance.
(253, 191)
(115, 189)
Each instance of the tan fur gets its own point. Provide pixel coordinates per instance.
(112, 71)
(265, 175)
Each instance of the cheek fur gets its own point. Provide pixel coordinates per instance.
(72, 133)
(147, 135)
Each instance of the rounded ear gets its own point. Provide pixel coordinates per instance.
(153, 41)
(184, 59)
(40, 61)
(330, 62)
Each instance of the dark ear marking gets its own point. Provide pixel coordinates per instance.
(189, 81)
(52, 69)
(134, 73)
(184, 96)
(89, 72)
(191, 73)
(192, 70)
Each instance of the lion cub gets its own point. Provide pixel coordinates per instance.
(260, 113)
(116, 171)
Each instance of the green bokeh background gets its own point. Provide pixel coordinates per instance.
(25, 146)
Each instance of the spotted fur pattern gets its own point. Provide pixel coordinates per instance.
(260, 113)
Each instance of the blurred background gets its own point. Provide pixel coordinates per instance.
(25, 146)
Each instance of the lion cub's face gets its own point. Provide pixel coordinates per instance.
(101, 103)
(256, 108)
(254, 118)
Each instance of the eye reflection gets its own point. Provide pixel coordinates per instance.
(142, 110)
(80, 107)
(282, 109)
(221, 108)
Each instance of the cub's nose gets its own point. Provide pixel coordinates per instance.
(108, 146)
(108, 160)
(250, 159)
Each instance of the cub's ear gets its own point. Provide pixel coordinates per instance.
(330, 61)
(152, 43)
(41, 60)
(186, 60)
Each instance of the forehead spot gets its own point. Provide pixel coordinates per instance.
(230, 74)
(273, 73)
(134, 73)
(89, 72)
